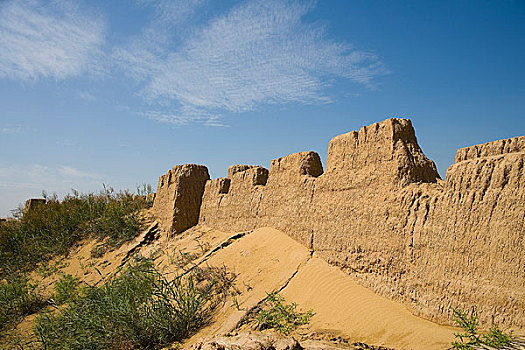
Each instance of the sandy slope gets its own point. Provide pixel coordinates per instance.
(263, 261)
(342, 306)
(268, 260)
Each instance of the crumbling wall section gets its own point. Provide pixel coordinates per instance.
(380, 212)
(33, 203)
(179, 197)
(468, 235)
(234, 201)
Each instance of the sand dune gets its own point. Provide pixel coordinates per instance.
(268, 260)
(342, 306)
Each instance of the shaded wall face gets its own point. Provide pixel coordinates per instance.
(381, 213)
(179, 197)
(33, 203)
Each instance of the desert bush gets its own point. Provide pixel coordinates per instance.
(495, 337)
(18, 297)
(280, 316)
(54, 228)
(65, 288)
(138, 308)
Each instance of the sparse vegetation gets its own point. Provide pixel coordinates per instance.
(18, 297)
(99, 250)
(54, 228)
(495, 337)
(65, 288)
(49, 268)
(139, 308)
(280, 316)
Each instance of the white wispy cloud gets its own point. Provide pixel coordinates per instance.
(85, 96)
(11, 129)
(41, 176)
(169, 23)
(172, 13)
(260, 52)
(67, 171)
(187, 116)
(48, 39)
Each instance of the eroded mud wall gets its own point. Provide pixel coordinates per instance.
(380, 212)
(179, 195)
(468, 235)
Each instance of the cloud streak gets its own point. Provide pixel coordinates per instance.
(12, 129)
(55, 39)
(69, 172)
(257, 53)
(40, 176)
(169, 13)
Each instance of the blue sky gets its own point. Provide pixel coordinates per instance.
(117, 92)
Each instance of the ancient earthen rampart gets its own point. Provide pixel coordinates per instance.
(33, 203)
(381, 213)
(179, 197)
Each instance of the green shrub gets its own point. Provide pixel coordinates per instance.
(18, 297)
(280, 316)
(139, 308)
(54, 228)
(495, 337)
(65, 288)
